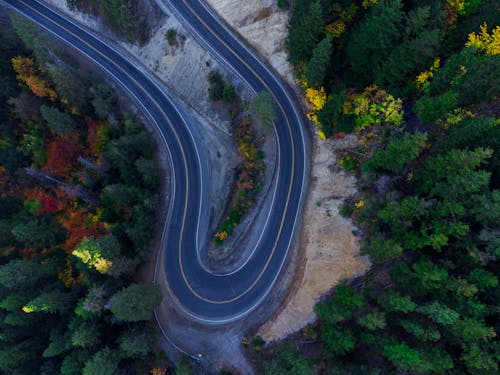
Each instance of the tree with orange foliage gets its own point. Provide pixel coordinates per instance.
(42, 202)
(28, 73)
(158, 371)
(79, 225)
(244, 181)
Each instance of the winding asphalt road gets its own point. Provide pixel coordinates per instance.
(206, 296)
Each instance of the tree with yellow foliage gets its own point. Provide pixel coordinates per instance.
(489, 44)
(376, 106)
(422, 81)
(29, 74)
(98, 253)
(316, 98)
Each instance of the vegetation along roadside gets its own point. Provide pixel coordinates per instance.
(250, 172)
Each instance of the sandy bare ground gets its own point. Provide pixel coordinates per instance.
(263, 25)
(329, 249)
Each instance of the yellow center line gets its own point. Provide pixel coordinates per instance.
(137, 83)
(266, 265)
(184, 157)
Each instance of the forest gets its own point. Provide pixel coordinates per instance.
(78, 195)
(418, 82)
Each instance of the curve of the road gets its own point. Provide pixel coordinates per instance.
(209, 297)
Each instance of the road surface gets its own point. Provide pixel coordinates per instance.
(206, 296)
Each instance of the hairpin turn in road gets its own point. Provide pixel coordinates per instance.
(209, 297)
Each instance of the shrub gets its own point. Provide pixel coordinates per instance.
(349, 163)
(258, 342)
(220, 90)
(433, 109)
(171, 36)
(228, 93)
(345, 210)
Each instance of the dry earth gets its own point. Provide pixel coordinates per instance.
(328, 244)
(263, 25)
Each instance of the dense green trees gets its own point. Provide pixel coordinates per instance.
(306, 29)
(332, 117)
(288, 362)
(429, 178)
(390, 44)
(30, 34)
(318, 65)
(373, 38)
(137, 341)
(431, 217)
(19, 274)
(39, 231)
(68, 244)
(136, 302)
(59, 122)
(68, 84)
(418, 41)
(102, 101)
(398, 153)
(104, 362)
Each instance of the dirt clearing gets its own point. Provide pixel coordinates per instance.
(329, 249)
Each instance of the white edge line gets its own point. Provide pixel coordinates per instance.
(165, 145)
(298, 117)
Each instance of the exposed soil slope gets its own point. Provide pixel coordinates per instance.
(328, 245)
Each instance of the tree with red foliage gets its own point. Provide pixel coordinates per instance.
(49, 205)
(62, 154)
